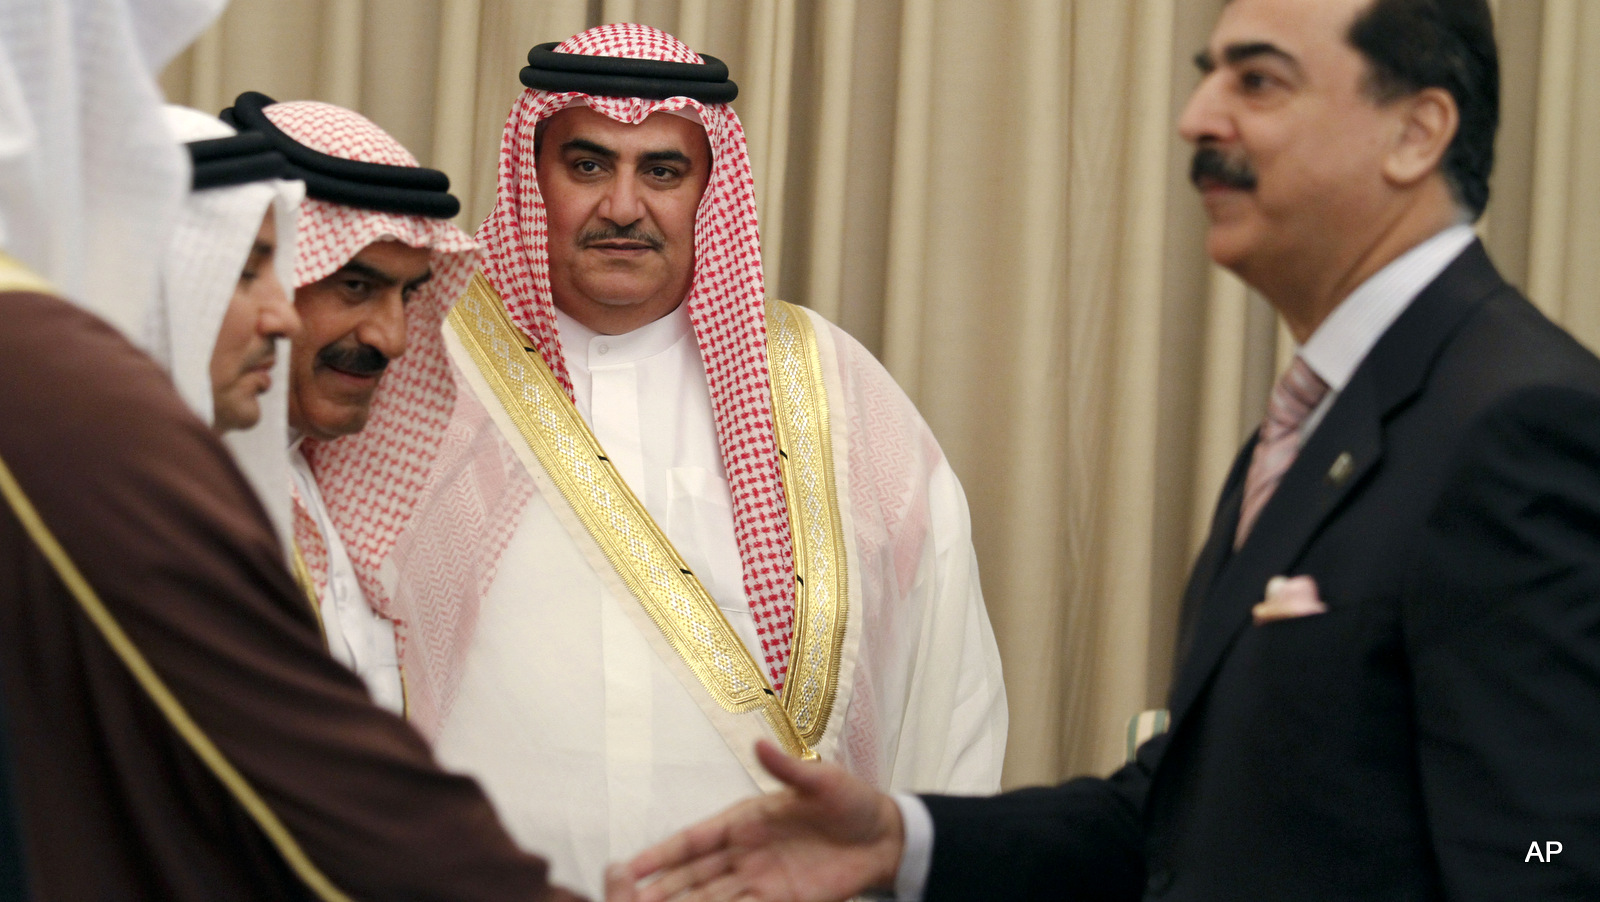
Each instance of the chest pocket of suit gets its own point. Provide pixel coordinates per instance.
(1297, 667)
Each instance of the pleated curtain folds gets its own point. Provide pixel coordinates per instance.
(991, 196)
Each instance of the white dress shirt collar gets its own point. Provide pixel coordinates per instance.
(1343, 340)
(586, 349)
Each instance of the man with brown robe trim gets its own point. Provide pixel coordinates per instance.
(177, 731)
(147, 503)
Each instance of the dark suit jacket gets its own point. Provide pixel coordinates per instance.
(1443, 715)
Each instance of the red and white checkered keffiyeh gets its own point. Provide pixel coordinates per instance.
(373, 480)
(725, 305)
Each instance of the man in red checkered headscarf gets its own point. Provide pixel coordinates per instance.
(670, 516)
(370, 392)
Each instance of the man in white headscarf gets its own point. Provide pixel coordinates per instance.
(175, 728)
(223, 301)
(670, 517)
(88, 171)
(379, 264)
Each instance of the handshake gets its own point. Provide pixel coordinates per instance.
(828, 836)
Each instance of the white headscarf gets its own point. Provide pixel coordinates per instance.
(90, 178)
(211, 240)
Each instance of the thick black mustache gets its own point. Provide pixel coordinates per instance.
(622, 233)
(356, 359)
(1213, 166)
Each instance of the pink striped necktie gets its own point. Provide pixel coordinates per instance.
(1297, 393)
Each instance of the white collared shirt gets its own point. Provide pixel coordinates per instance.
(1343, 340)
(358, 637)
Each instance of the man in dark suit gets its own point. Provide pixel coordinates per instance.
(1389, 674)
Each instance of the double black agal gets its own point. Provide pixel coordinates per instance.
(235, 160)
(411, 190)
(616, 76)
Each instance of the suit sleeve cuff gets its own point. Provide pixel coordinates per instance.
(917, 857)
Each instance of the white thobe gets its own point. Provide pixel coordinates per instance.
(562, 674)
(589, 743)
(358, 637)
(646, 399)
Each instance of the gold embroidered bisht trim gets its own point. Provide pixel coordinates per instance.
(640, 552)
(308, 586)
(16, 277)
(805, 446)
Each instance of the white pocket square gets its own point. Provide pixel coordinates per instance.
(1288, 597)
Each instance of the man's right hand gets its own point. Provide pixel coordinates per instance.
(827, 837)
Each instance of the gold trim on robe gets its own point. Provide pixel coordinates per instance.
(308, 585)
(805, 442)
(16, 277)
(640, 552)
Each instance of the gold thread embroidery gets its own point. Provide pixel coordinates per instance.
(642, 556)
(168, 703)
(16, 277)
(800, 412)
(308, 586)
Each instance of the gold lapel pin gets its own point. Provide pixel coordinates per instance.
(1341, 469)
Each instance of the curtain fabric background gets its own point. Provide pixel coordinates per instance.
(990, 195)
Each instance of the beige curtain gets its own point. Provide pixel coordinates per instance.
(988, 194)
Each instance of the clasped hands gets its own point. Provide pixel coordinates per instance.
(827, 836)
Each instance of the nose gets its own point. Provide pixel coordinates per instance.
(385, 325)
(278, 319)
(1204, 116)
(622, 204)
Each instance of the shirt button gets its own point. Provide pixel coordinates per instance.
(603, 348)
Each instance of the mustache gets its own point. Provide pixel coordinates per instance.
(264, 354)
(622, 233)
(357, 359)
(1213, 166)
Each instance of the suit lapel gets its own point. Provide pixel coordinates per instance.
(1329, 471)
(1331, 466)
(1215, 553)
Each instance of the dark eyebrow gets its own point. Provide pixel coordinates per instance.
(1234, 54)
(367, 270)
(1238, 53)
(587, 146)
(262, 249)
(666, 156)
(419, 280)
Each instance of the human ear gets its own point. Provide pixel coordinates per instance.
(1428, 123)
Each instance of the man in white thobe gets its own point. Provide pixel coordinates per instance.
(379, 263)
(670, 517)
